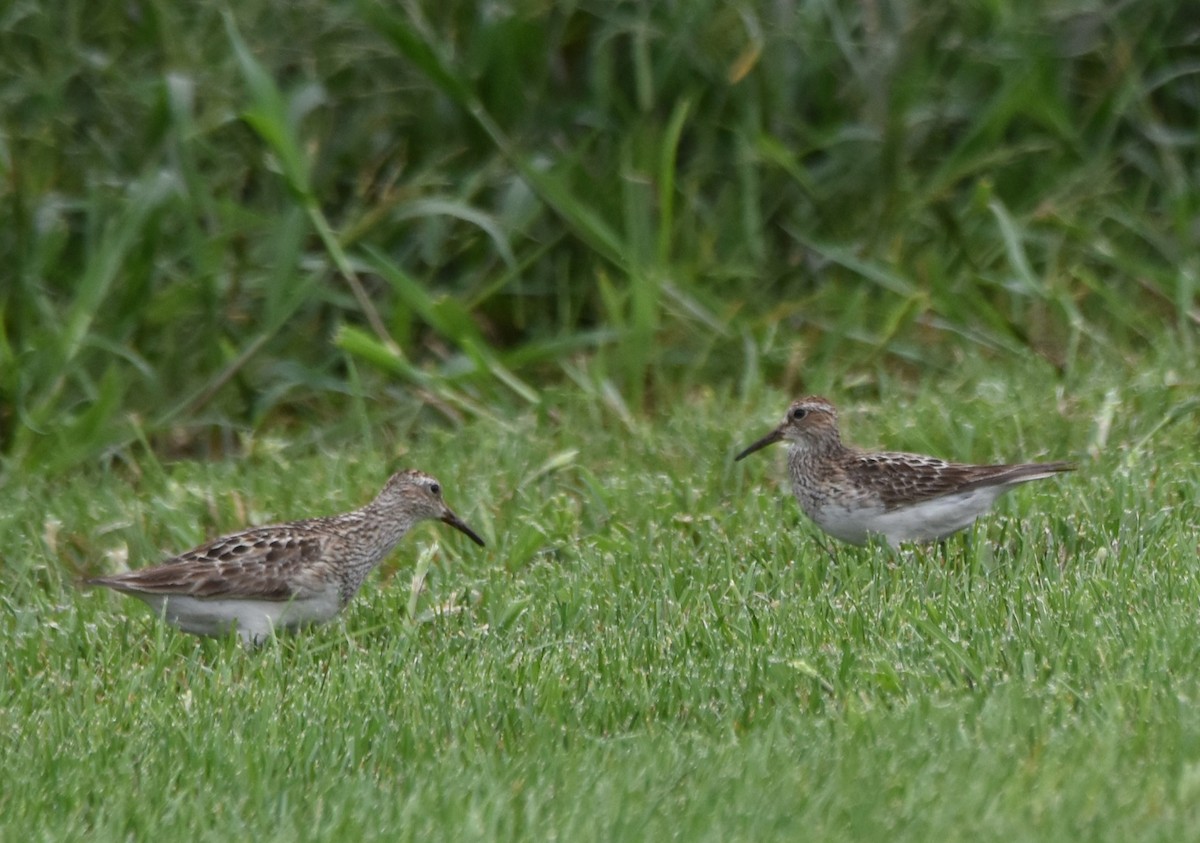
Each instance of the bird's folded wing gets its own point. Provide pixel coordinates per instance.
(902, 479)
(251, 565)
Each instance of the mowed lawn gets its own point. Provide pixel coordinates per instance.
(654, 645)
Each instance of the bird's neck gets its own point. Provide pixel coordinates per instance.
(806, 450)
(388, 522)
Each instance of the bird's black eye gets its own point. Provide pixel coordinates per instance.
(435, 488)
(799, 413)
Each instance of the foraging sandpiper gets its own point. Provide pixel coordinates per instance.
(285, 576)
(853, 494)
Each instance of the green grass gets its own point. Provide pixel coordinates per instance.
(216, 222)
(654, 643)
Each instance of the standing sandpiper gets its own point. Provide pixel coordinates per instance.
(285, 576)
(853, 494)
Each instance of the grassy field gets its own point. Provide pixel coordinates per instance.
(654, 644)
(570, 258)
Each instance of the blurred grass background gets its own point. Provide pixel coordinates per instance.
(216, 222)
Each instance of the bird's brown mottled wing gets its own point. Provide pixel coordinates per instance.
(900, 479)
(256, 564)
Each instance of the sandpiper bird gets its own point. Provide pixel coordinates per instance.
(285, 576)
(853, 494)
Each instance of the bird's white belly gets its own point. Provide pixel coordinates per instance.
(254, 620)
(924, 521)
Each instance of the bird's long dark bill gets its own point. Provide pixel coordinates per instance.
(460, 525)
(770, 439)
